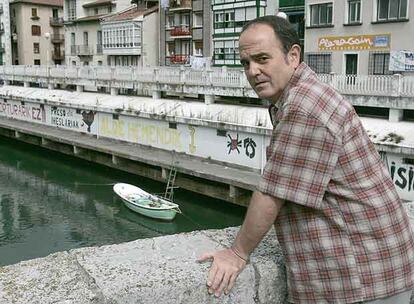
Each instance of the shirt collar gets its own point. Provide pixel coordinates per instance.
(301, 72)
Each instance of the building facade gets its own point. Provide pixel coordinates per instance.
(83, 31)
(5, 34)
(130, 37)
(295, 10)
(229, 16)
(37, 32)
(359, 37)
(185, 31)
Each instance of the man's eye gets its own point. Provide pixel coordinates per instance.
(262, 59)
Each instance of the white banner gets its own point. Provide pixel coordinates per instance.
(402, 61)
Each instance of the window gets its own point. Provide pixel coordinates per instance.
(321, 14)
(36, 31)
(170, 21)
(37, 62)
(96, 11)
(391, 10)
(198, 19)
(71, 9)
(34, 12)
(320, 63)
(85, 38)
(36, 48)
(378, 63)
(55, 13)
(198, 48)
(354, 11)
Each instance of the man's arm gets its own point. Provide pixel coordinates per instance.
(228, 263)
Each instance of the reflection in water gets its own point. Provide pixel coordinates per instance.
(50, 202)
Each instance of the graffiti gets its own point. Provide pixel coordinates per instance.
(234, 144)
(23, 111)
(250, 147)
(113, 128)
(248, 144)
(403, 177)
(192, 147)
(70, 118)
(140, 133)
(88, 117)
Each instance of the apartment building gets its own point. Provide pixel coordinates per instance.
(37, 32)
(295, 10)
(130, 37)
(229, 16)
(185, 30)
(5, 34)
(370, 37)
(83, 31)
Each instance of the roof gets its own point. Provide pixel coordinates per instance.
(41, 2)
(97, 3)
(130, 13)
(89, 18)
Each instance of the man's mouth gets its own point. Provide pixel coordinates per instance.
(258, 84)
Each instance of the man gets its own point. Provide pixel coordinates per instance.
(340, 223)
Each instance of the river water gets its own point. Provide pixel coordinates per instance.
(51, 202)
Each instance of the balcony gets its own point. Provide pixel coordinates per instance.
(180, 5)
(58, 38)
(56, 21)
(177, 59)
(81, 50)
(58, 55)
(182, 31)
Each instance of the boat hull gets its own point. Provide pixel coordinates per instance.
(167, 215)
(142, 202)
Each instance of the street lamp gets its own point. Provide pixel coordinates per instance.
(47, 36)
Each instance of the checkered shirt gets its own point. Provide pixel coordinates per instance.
(343, 230)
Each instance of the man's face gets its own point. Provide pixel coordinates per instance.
(267, 68)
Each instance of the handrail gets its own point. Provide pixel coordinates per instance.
(231, 78)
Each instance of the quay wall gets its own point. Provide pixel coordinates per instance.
(158, 270)
(234, 136)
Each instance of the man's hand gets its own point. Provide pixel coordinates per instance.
(224, 270)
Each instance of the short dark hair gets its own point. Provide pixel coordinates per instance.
(282, 28)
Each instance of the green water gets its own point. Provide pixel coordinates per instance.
(50, 202)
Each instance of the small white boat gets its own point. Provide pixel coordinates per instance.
(146, 203)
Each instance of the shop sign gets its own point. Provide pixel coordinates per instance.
(356, 42)
(402, 61)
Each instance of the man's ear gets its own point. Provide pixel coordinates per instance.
(294, 55)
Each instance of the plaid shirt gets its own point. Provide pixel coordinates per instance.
(343, 230)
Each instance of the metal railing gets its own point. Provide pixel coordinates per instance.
(223, 78)
(58, 55)
(56, 21)
(183, 30)
(57, 38)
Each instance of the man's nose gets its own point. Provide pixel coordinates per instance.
(254, 69)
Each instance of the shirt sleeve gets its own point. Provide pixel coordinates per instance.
(301, 159)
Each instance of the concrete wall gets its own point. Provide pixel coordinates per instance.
(150, 40)
(158, 270)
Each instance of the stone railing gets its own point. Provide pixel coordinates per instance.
(214, 81)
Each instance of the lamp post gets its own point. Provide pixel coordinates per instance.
(47, 36)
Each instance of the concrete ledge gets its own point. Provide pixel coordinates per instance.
(159, 270)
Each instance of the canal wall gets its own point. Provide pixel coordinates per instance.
(177, 132)
(158, 270)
